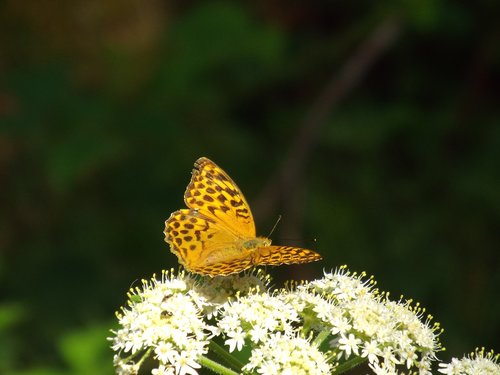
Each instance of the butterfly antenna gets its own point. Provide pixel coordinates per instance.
(132, 284)
(275, 225)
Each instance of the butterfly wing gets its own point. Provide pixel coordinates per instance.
(203, 246)
(276, 255)
(214, 194)
(224, 268)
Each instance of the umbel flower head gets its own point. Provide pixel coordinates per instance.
(478, 362)
(320, 327)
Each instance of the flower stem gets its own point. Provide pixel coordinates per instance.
(321, 337)
(232, 361)
(349, 365)
(215, 367)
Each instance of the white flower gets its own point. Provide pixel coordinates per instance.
(218, 291)
(186, 364)
(361, 318)
(175, 317)
(349, 344)
(382, 369)
(452, 368)
(478, 362)
(123, 367)
(256, 314)
(371, 351)
(257, 334)
(340, 324)
(163, 316)
(237, 339)
(165, 352)
(389, 357)
(230, 322)
(163, 370)
(283, 354)
(269, 368)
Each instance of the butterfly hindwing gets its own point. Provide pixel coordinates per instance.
(200, 243)
(224, 268)
(276, 255)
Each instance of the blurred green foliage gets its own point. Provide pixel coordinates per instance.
(104, 106)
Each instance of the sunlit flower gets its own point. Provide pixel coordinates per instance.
(237, 339)
(371, 351)
(163, 316)
(349, 344)
(165, 352)
(163, 370)
(361, 318)
(306, 328)
(124, 367)
(478, 362)
(281, 354)
(255, 315)
(186, 363)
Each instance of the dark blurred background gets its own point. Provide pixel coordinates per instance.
(372, 128)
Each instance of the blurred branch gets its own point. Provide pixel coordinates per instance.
(287, 185)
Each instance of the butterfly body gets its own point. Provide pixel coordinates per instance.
(255, 243)
(216, 235)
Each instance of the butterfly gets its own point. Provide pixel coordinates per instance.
(215, 235)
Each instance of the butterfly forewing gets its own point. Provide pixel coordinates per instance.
(213, 193)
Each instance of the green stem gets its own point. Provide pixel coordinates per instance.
(215, 367)
(130, 357)
(233, 362)
(349, 365)
(321, 337)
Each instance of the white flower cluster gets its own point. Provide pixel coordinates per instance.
(365, 323)
(270, 324)
(290, 355)
(478, 362)
(219, 291)
(331, 324)
(343, 307)
(163, 317)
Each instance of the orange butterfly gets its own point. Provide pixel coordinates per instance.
(216, 234)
